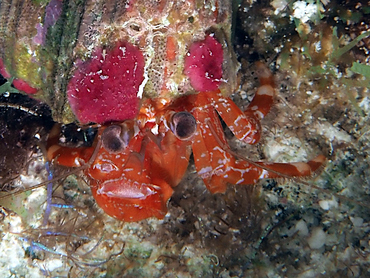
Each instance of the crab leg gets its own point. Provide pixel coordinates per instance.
(70, 157)
(218, 167)
(246, 126)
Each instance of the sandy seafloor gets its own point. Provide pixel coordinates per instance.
(313, 227)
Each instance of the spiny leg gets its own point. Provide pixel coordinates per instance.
(264, 98)
(209, 159)
(246, 125)
(214, 162)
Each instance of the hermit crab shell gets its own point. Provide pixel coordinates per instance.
(45, 44)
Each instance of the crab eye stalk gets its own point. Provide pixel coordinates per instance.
(183, 125)
(115, 138)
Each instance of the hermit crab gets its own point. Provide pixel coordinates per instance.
(155, 76)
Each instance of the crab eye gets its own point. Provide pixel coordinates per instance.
(183, 125)
(115, 138)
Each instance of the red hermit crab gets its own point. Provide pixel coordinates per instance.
(156, 76)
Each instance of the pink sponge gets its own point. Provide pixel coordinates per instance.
(105, 87)
(203, 64)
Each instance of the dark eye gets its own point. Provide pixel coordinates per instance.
(115, 138)
(183, 125)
